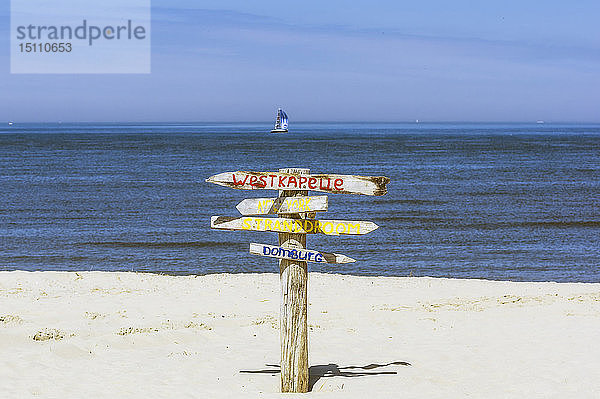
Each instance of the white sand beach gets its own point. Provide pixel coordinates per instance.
(130, 335)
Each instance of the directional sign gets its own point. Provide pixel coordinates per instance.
(296, 213)
(285, 205)
(342, 184)
(302, 226)
(305, 255)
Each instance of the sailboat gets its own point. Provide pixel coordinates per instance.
(281, 123)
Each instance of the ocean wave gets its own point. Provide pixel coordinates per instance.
(463, 224)
(160, 244)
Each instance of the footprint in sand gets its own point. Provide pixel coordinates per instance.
(167, 325)
(10, 320)
(94, 315)
(50, 333)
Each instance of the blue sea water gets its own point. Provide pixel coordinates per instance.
(496, 201)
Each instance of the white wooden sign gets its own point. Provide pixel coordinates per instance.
(298, 254)
(341, 184)
(282, 205)
(301, 226)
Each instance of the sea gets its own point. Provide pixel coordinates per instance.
(511, 201)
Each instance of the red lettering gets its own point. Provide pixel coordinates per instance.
(290, 182)
(282, 181)
(321, 186)
(263, 181)
(239, 182)
(300, 182)
(273, 177)
(337, 184)
(312, 183)
(253, 180)
(328, 184)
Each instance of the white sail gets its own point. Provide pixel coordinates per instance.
(284, 120)
(281, 122)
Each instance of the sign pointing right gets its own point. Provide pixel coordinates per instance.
(302, 226)
(306, 255)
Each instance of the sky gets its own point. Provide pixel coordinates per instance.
(359, 60)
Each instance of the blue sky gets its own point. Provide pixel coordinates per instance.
(337, 61)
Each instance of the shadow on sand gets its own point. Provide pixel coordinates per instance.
(315, 373)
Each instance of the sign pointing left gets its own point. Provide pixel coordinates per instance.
(282, 205)
(329, 183)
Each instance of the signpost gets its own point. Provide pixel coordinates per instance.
(296, 213)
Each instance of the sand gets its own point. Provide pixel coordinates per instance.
(130, 335)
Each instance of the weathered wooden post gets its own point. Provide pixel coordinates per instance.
(296, 217)
(293, 324)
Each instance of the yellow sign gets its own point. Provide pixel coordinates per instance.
(301, 226)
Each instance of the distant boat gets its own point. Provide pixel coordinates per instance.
(281, 123)
(539, 122)
(10, 123)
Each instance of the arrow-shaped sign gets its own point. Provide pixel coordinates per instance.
(342, 184)
(283, 205)
(302, 226)
(305, 255)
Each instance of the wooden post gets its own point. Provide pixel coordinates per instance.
(293, 271)
(293, 313)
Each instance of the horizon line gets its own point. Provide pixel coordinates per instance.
(269, 122)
